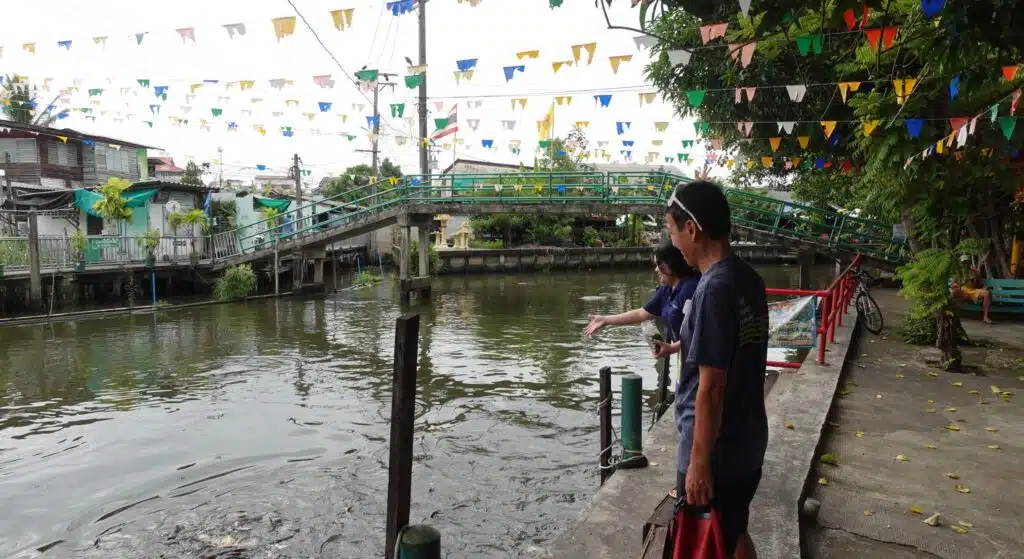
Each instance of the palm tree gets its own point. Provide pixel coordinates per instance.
(19, 103)
(112, 206)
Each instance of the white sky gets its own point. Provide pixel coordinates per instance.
(493, 32)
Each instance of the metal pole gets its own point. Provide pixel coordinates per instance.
(604, 414)
(424, 162)
(298, 261)
(632, 423)
(374, 146)
(403, 415)
(277, 271)
(334, 264)
(152, 285)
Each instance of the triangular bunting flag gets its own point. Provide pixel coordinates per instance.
(1007, 124)
(828, 126)
(846, 87)
(774, 143)
(711, 32)
(283, 27)
(745, 126)
(342, 18)
(695, 98)
(904, 88)
(679, 57)
(808, 43)
(742, 53)
(1009, 72)
(869, 126)
(914, 126)
(804, 141)
(796, 92)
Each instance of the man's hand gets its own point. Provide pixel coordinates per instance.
(597, 322)
(664, 349)
(699, 484)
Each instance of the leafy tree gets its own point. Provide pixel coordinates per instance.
(945, 197)
(359, 176)
(194, 173)
(566, 154)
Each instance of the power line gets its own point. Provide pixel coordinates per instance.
(334, 58)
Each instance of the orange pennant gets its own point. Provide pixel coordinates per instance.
(1009, 72)
(774, 142)
(829, 126)
(804, 140)
(766, 162)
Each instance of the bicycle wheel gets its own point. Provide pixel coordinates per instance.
(869, 312)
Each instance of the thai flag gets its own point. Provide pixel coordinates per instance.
(452, 127)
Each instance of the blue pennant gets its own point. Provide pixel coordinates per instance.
(604, 100)
(914, 126)
(627, 143)
(467, 64)
(324, 106)
(487, 143)
(510, 70)
(932, 8)
(954, 87)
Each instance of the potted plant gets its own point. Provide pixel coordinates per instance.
(193, 218)
(149, 242)
(79, 244)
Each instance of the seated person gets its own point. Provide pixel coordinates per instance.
(974, 291)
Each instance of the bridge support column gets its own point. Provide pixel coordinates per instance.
(318, 271)
(421, 282)
(805, 258)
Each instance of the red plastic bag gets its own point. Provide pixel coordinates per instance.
(696, 534)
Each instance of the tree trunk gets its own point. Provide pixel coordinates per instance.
(1002, 262)
(945, 340)
(908, 227)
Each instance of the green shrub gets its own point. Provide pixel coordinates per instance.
(13, 252)
(366, 278)
(434, 261)
(237, 282)
(480, 243)
(590, 236)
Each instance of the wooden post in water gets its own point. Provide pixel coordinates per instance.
(334, 267)
(403, 412)
(34, 265)
(604, 413)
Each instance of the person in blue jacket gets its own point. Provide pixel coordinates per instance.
(678, 283)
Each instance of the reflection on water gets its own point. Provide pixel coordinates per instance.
(264, 426)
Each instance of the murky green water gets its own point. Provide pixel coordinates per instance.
(261, 429)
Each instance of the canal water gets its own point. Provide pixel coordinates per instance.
(261, 429)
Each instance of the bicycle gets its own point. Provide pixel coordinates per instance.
(868, 311)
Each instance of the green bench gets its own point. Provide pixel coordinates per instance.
(1007, 296)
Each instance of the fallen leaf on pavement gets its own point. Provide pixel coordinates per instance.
(958, 384)
(789, 426)
(822, 481)
(932, 520)
(931, 401)
(965, 523)
(903, 364)
(995, 389)
(878, 396)
(962, 489)
(993, 446)
(933, 374)
(869, 513)
(959, 529)
(953, 475)
(929, 410)
(832, 424)
(930, 445)
(859, 434)
(915, 509)
(829, 459)
(902, 457)
(952, 427)
(844, 392)
(991, 429)
(973, 392)
(951, 410)
(899, 376)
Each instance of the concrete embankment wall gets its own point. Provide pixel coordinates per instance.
(530, 259)
(612, 524)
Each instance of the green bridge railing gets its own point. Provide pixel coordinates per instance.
(750, 211)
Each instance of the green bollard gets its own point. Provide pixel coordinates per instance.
(632, 423)
(419, 541)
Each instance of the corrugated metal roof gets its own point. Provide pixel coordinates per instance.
(68, 133)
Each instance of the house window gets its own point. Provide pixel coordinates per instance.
(21, 150)
(62, 154)
(120, 161)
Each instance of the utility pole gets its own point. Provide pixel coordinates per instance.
(220, 179)
(374, 150)
(424, 158)
(298, 262)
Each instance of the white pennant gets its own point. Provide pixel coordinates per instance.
(679, 57)
(786, 127)
(961, 138)
(796, 92)
(644, 41)
(745, 6)
(974, 122)
(474, 123)
(745, 126)
(509, 124)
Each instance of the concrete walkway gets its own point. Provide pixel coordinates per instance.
(902, 430)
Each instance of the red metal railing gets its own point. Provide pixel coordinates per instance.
(835, 302)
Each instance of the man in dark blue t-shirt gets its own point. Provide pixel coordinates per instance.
(723, 346)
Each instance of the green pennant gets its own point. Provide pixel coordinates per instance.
(683, 156)
(1008, 123)
(700, 128)
(515, 151)
(808, 42)
(217, 112)
(415, 80)
(150, 123)
(544, 144)
(143, 83)
(350, 137)
(441, 123)
(994, 112)
(687, 144)
(95, 92)
(397, 110)
(670, 160)
(695, 97)
(367, 75)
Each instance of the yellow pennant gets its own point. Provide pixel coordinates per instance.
(531, 54)
(804, 140)
(582, 123)
(615, 61)
(829, 127)
(418, 69)
(283, 27)
(556, 66)
(29, 48)
(344, 118)
(63, 139)
(657, 142)
(904, 88)
(564, 99)
(795, 161)
(591, 48)
(940, 145)
(846, 87)
(342, 18)
(750, 164)
(661, 126)
(291, 103)
(766, 162)
(869, 126)
(774, 142)
(195, 87)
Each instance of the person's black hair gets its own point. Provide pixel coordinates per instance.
(707, 206)
(666, 253)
